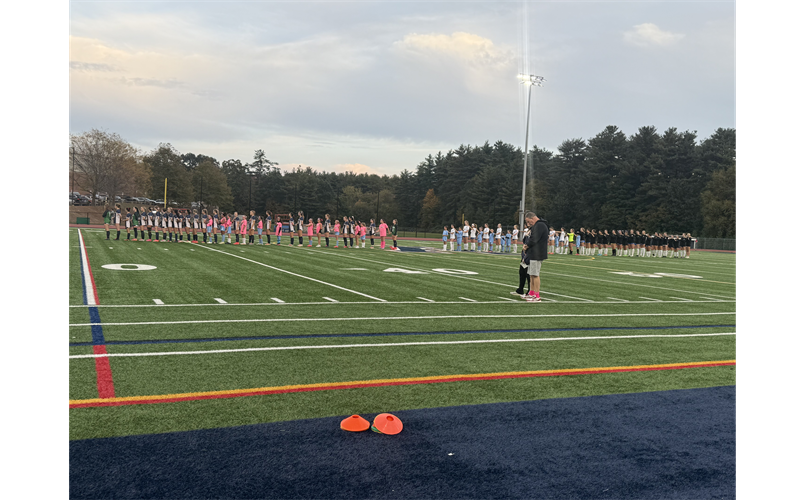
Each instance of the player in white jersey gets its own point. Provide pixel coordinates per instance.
(473, 236)
(486, 238)
(452, 237)
(515, 238)
(466, 230)
(498, 238)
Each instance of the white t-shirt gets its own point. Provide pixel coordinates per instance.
(515, 233)
(452, 233)
(486, 233)
(473, 233)
(498, 232)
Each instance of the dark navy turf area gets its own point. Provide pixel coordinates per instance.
(656, 445)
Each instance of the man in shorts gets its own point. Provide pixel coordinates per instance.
(537, 250)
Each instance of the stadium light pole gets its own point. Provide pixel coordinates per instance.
(530, 81)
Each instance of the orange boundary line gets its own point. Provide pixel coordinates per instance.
(261, 391)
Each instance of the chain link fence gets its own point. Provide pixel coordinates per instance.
(714, 244)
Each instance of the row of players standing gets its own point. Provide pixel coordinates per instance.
(174, 225)
(472, 238)
(621, 242)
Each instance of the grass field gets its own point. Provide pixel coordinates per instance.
(216, 336)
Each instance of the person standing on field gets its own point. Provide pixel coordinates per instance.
(537, 250)
(394, 234)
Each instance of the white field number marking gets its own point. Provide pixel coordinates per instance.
(453, 271)
(656, 275)
(129, 267)
(637, 275)
(672, 275)
(440, 270)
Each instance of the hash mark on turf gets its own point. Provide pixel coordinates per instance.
(426, 300)
(510, 300)
(680, 298)
(158, 302)
(220, 301)
(468, 300)
(620, 300)
(654, 300)
(328, 298)
(277, 300)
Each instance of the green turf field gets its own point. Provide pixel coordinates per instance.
(212, 318)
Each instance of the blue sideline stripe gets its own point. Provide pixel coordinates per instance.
(97, 330)
(466, 332)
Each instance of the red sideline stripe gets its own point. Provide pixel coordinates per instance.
(387, 384)
(106, 387)
(103, 369)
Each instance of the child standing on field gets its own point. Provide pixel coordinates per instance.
(244, 225)
(337, 231)
(445, 235)
(278, 230)
(383, 229)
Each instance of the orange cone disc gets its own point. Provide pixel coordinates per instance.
(386, 423)
(355, 423)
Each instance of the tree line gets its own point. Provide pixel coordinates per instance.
(651, 181)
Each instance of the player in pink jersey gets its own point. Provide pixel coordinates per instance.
(337, 231)
(244, 225)
(310, 232)
(383, 228)
(278, 229)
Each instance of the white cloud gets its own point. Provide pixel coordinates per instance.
(472, 49)
(355, 168)
(647, 34)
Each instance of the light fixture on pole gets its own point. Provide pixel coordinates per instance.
(530, 81)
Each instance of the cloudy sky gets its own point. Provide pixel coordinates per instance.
(377, 86)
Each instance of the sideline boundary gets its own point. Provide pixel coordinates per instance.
(264, 391)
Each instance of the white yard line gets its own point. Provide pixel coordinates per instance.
(88, 292)
(260, 304)
(396, 344)
(604, 280)
(565, 296)
(397, 264)
(282, 320)
(297, 275)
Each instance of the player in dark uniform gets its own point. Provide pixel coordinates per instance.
(372, 230)
(394, 234)
(328, 227)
